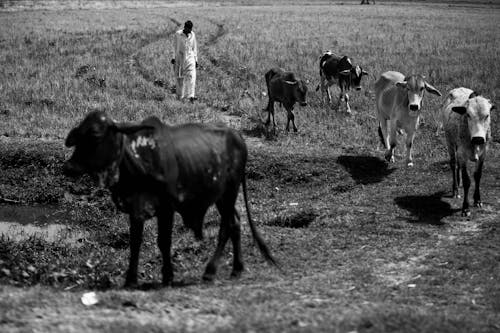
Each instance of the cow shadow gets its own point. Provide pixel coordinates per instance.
(365, 169)
(428, 209)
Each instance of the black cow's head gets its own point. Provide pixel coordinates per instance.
(299, 91)
(353, 76)
(97, 145)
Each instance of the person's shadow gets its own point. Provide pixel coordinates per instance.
(429, 209)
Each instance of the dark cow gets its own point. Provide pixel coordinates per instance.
(283, 87)
(335, 69)
(153, 169)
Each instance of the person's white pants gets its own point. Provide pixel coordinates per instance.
(186, 79)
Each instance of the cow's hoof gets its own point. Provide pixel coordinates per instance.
(478, 204)
(209, 274)
(410, 164)
(456, 196)
(167, 283)
(131, 285)
(295, 130)
(465, 213)
(208, 278)
(236, 274)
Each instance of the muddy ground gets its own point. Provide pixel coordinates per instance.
(363, 246)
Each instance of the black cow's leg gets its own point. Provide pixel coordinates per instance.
(477, 179)
(466, 184)
(235, 233)
(269, 108)
(136, 229)
(165, 222)
(291, 117)
(227, 218)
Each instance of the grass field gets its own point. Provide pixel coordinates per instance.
(364, 246)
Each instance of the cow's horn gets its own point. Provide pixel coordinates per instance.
(291, 82)
(345, 72)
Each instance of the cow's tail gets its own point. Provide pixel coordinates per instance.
(255, 233)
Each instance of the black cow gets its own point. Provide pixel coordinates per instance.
(335, 69)
(283, 87)
(153, 169)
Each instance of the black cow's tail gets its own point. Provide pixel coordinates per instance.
(256, 235)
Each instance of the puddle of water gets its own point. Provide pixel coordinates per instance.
(47, 222)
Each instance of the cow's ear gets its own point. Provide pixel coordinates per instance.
(473, 94)
(402, 84)
(459, 109)
(292, 83)
(130, 128)
(72, 137)
(493, 107)
(363, 72)
(345, 72)
(432, 90)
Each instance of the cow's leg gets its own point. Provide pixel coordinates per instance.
(341, 98)
(348, 108)
(477, 179)
(291, 117)
(227, 212)
(324, 88)
(270, 106)
(165, 222)
(454, 166)
(235, 233)
(136, 229)
(410, 136)
(392, 140)
(466, 184)
(455, 172)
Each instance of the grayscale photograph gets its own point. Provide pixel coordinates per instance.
(249, 166)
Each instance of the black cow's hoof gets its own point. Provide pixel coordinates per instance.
(131, 285)
(465, 212)
(208, 278)
(478, 204)
(236, 274)
(167, 283)
(209, 274)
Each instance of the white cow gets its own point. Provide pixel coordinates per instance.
(466, 121)
(399, 102)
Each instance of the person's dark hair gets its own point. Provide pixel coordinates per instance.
(188, 25)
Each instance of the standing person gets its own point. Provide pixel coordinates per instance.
(185, 61)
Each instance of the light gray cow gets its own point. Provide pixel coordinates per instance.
(399, 102)
(466, 120)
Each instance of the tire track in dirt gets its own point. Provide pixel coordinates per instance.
(134, 61)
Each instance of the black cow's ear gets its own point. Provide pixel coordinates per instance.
(493, 107)
(71, 138)
(130, 128)
(473, 94)
(363, 72)
(459, 109)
